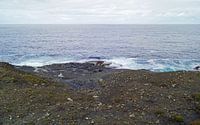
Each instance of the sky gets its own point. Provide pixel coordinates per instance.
(99, 11)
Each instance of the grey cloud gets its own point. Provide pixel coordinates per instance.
(99, 11)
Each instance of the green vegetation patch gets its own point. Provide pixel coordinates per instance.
(178, 118)
(196, 96)
(159, 112)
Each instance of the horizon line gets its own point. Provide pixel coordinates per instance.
(99, 24)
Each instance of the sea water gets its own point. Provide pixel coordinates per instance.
(159, 48)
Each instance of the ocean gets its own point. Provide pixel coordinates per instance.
(159, 48)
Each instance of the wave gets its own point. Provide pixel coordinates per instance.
(156, 65)
(43, 60)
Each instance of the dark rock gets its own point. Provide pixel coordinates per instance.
(197, 68)
(5, 64)
(94, 57)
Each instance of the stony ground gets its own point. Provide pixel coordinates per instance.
(82, 94)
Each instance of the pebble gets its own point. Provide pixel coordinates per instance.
(143, 113)
(132, 115)
(110, 106)
(173, 85)
(95, 96)
(169, 97)
(100, 80)
(10, 117)
(92, 122)
(35, 85)
(157, 122)
(69, 99)
(60, 75)
(100, 104)
(47, 114)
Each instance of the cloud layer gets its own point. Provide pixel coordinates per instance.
(99, 11)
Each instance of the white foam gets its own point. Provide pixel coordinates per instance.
(158, 65)
(41, 61)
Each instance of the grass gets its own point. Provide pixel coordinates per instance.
(30, 99)
(178, 118)
(196, 96)
(159, 112)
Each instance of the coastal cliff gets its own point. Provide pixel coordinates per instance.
(76, 93)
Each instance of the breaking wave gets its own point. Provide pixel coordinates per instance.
(156, 65)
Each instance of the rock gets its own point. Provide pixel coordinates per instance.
(169, 97)
(100, 104)
(10, 117)
(35, 85)
(110, 106)
(132, 115)
(143, 113)
(95, 96)
(157, 122)
(94, 57)
(37, 70)
(92, 122)
(69, 99)
(173, 85)
(47, 114)
(99, 63)
(100, 80)
(197, 68)
(60, 75)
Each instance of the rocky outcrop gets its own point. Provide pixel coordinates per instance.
(197, 68)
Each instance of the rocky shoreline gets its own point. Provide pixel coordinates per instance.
(85, 93)
(77, 75)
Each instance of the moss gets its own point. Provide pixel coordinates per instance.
(196, 122)
(117, 100)
(8, 79)
(35, 100)
(29, 123)
(22, 100)
(196, 96)
(99, 119)
(178, 118)
(159, 113)
(33, 79)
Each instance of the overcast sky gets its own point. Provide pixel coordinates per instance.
(99, 11)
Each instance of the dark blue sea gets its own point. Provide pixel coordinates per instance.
(159, 48)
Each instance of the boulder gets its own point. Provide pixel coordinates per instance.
(197, 68)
